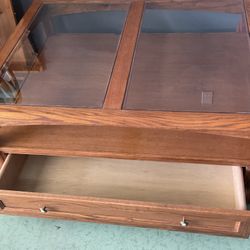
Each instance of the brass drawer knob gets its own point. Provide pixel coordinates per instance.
(43, 210)
(183, 222)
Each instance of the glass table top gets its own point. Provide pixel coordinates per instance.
(194, 60)
(191, 60)
(66, 58)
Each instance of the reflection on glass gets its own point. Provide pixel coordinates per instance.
(16, 70)
(9, 86)
(191, 61)
(67, 57)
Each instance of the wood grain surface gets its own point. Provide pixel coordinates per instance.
(7, 26)
(234, 6)
(145, 214)
(10, 170)
(124, 57)
(2, 158)
(120, 211)
(199, 185)
(188, 137)
(126, 143)
(65, 9)
(13, 40)
(232, 125)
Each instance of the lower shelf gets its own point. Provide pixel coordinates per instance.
(177, 196)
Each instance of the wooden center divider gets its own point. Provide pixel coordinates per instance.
(124, 58)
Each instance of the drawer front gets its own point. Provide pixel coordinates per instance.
(220, 222)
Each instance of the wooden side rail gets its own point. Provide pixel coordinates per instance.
(9, 47)
(230, 6)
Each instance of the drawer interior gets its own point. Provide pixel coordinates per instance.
(168, 183)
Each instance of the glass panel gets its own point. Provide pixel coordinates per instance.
(73, 47)
(16, 70)
(191, 60)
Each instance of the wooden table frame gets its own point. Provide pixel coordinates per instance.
(113, 132)
(233, 126)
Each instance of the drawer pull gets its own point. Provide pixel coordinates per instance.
(183, 222)
(43, 210)
(2, 206)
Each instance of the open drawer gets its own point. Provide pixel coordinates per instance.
(176, 196)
